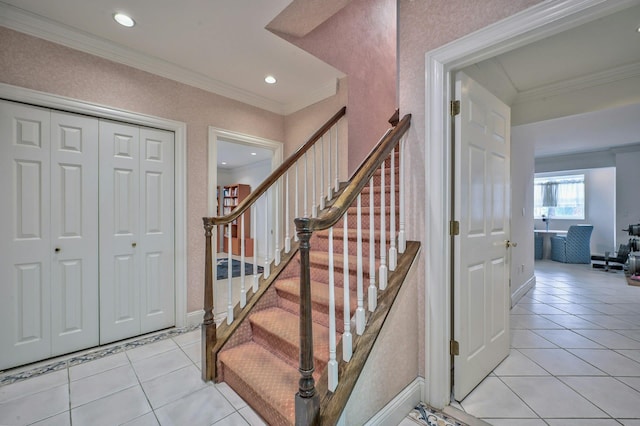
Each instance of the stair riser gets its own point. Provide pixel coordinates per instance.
(259, 404)
(320, 273)
(285, 350)
(320, 314)
(322, 244)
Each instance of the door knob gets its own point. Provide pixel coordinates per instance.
(57, 249)
(133, 245)
(510, 244)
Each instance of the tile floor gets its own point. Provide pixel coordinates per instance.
(575, 354)
(158, 383)
(575, 360)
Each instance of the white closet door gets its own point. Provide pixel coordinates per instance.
(119, 231)
(155, 244)
(74, 232)
(25, 313)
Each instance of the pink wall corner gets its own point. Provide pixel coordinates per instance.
(360, 40)
(424, 26)
(36, 64)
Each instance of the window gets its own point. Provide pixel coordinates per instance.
(559, 197)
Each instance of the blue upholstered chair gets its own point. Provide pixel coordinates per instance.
(539, 242)
(574, 247)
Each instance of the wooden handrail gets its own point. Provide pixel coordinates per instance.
(277, 173)
(307, 400)
(361, 178)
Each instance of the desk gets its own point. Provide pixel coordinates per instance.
(546, 242)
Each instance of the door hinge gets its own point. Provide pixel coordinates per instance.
(454, 348)
(455, 108)
(454, 227)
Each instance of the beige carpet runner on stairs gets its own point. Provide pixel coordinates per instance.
(260, 362)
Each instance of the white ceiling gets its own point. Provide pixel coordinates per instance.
(236, 154)
(604, 51)
(221, 46)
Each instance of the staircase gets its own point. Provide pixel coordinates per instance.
(261, 359)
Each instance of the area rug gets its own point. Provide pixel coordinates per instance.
(425, 415)
(222, 271)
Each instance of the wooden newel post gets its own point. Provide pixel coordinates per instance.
(307, 399)
(208, 324)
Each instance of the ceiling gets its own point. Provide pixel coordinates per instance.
(221, 46)
(236, 154)
(580, 64)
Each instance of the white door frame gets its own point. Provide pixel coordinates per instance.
(215, 134)
(540, 21)
(33, 97)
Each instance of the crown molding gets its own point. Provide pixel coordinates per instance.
(37, 26)
(572, 85)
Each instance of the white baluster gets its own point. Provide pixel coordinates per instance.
(393, 252)
(360, 317)
(333, 364)
(297, 202)
(329, 187)
(276, 206)
(306, 180)
(314, 207)
(266, 235)
(229, 276)
(383, 232)
(347, 340)
(373, 291)
(337, 182)
(215, 238)
(254, 235)
(243, 291)
(321, 172)
(402, 238)
(287, 238)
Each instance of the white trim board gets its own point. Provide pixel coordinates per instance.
(540, 21)
(33, 97)
(400, 406)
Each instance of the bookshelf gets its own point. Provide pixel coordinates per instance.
(232, 195)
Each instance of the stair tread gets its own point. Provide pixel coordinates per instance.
(285, 325)
(271, 377)
(319, 293)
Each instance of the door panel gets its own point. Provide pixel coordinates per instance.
(24, 234)
(74, 232)
(157, 225)
(119, 227)
(482, 205)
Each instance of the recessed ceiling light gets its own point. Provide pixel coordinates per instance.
(224, 163)
(253, 153)
(270, 79)
(124, 20)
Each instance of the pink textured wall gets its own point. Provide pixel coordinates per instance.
(360, 40)
(423, 26)
(30, 62)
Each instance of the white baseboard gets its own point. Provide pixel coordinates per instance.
(400, 406)
(524, 288)
(195, 317)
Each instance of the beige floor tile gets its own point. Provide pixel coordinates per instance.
(114, 409)
(550, 398)
(492, 398)
(614, 397)
(36, 406)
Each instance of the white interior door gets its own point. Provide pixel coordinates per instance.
(25, 263)
(482, 206)
(74, 232)
(119, 231)
(137, 285)
(156, 245)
